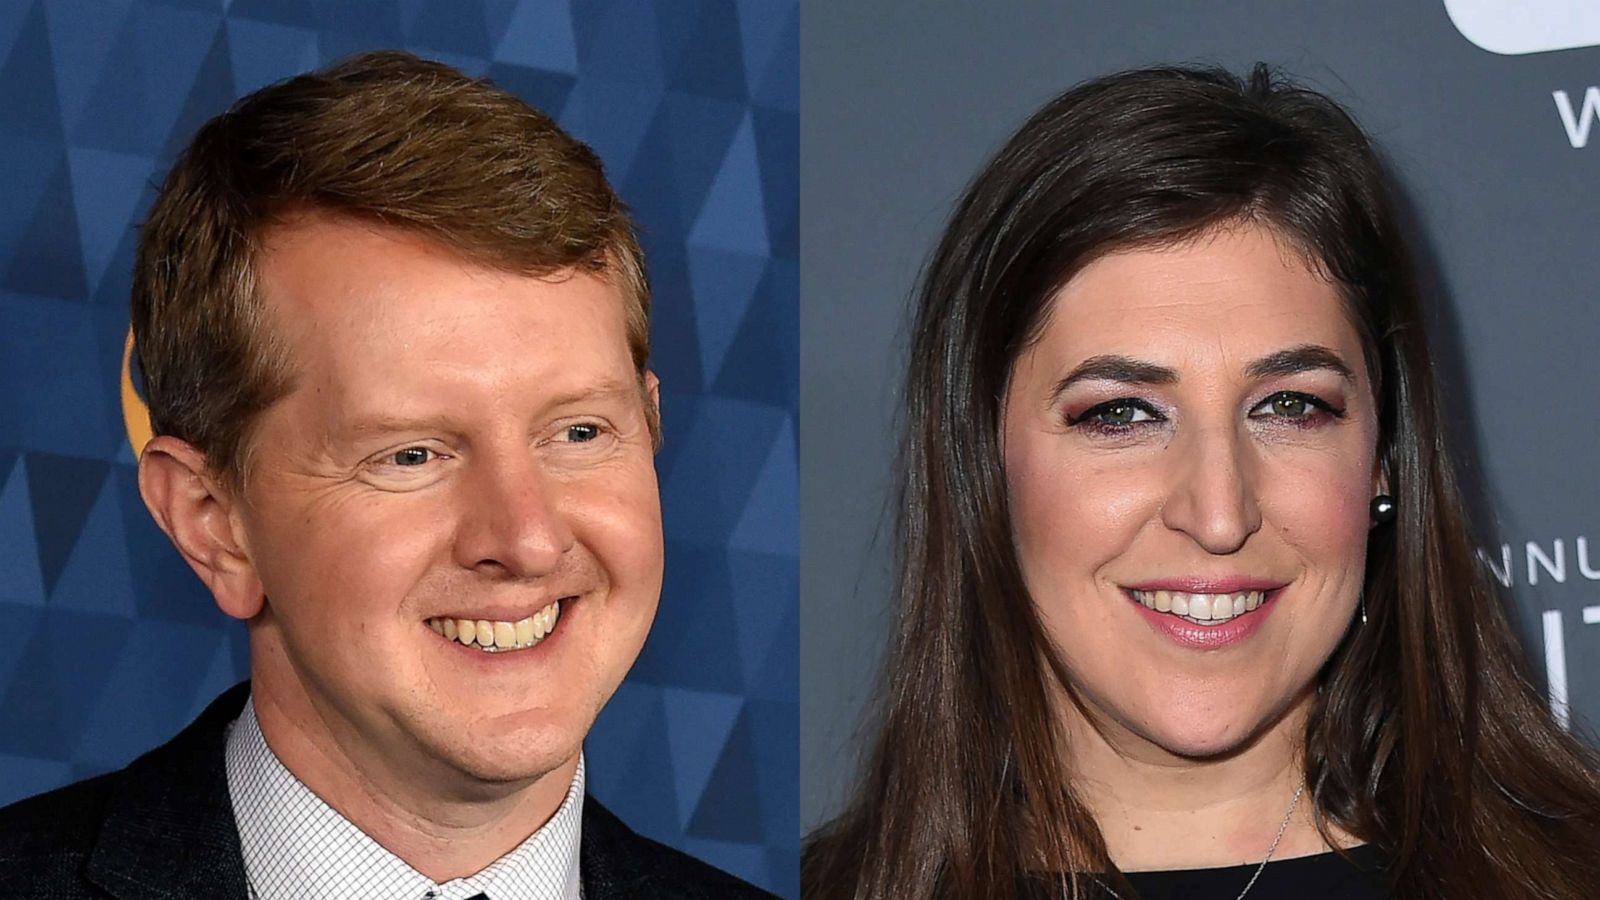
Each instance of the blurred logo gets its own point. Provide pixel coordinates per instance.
(1578, 121)
(135, 415)
(1549, 566)
(1526, 26)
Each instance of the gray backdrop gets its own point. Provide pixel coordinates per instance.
(903, 101)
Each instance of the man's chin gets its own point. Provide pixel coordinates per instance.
(487, 772)
(512, 750)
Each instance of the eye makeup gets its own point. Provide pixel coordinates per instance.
(1115, 418)
(1123, 416)
(1297, 409)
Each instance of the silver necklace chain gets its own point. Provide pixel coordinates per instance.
(1287, 817)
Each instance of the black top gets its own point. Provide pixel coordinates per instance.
(163, 829)
(1324, 876)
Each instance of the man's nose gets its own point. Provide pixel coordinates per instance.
(512, 519)
(1212, 497)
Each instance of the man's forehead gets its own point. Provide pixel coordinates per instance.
(341, 242)
(317, 271)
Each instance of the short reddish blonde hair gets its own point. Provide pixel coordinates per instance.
(386, 137)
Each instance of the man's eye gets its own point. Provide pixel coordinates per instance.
(583, 433)
(411, 456)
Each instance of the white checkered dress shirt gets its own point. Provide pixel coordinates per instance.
(296, 847)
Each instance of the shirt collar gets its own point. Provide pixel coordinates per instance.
(295, 845)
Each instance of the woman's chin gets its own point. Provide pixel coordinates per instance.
(1198, 745)
(1213, 736)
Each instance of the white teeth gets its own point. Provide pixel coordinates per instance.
(1203, 609)
(493, 637)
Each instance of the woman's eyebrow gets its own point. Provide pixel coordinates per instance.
(1123, 369)
(1304, 358)
(1128, 370)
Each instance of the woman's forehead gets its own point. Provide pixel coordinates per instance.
(1241, 290)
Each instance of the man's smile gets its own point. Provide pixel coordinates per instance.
(496, 635)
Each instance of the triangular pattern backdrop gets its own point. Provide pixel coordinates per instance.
(108, 645)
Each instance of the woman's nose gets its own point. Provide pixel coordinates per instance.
(1212, 494)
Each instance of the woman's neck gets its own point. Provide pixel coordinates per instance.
(1159, 810)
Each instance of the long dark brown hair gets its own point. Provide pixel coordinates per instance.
(1426, 738)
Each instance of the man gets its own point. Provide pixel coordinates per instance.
(393, 327)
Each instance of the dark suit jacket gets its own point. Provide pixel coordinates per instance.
(163, 828)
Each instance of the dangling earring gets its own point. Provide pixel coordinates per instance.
(1383, 509)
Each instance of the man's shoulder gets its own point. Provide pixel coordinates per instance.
(619, 862)
(169, 805)
(45, 840)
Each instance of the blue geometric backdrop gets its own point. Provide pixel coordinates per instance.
(109, 645)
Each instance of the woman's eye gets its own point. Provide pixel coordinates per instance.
(583, 433)
(1122, 414)
(1115, 414)
(1294, 405)
(411, 456)
(1116, 417)
(1289, 406)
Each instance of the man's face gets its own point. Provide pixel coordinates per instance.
(460, 444)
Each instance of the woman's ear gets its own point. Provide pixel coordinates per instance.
(197, 512)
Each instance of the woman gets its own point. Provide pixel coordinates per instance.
(1189, 603)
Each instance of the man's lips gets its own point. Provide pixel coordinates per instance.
(494, 636)
(503, 612)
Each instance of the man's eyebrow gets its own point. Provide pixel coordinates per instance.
(1123, 369)
(1304, 358)
(380, 424)
(607, 390)
(373, 426)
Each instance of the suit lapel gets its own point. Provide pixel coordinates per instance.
(610, 864)
(169, 829)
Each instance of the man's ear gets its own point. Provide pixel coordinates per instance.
(197, 513)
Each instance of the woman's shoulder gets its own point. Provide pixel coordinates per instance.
(1352, 874)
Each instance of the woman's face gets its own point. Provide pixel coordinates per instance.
(1190, 457)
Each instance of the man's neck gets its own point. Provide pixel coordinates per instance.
(1157, 810)
(436, 819)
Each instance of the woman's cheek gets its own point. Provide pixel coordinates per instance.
(1321, 506)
